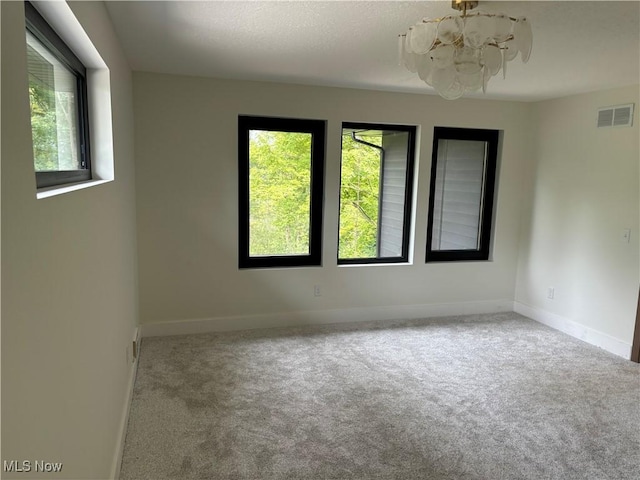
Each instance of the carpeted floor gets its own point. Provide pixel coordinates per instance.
(478, 397)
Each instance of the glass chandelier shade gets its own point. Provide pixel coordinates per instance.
(460, 53)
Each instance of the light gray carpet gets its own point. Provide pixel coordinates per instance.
(476, 397)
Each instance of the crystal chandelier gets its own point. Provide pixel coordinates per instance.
(460, 53)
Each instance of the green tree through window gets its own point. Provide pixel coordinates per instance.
(359, 197)
(280, 196)
(43, 127)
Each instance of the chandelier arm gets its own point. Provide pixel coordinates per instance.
(495, 44)
(484, 14)
(476, 14)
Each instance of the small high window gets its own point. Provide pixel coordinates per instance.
(376, 179)
(461, 200)
(58, 101)
(281, 173)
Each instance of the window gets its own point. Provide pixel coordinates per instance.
(376, 178)
(281, 170)
(58, 102)
(461, 199)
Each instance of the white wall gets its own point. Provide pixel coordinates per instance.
(186, 164)
(69, 280)
(583, 192)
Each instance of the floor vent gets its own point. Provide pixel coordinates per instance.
(616, 116)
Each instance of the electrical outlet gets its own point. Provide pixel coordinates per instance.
(136, 345)
(625, 235)
(317, 292)
(551, 292)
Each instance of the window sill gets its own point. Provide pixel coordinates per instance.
(70, 187)
(459, 261)
(374, 264)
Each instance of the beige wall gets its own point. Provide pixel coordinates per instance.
(69, 280)
(186, 163)
(583, 192)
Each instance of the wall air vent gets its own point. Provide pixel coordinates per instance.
(616, 116)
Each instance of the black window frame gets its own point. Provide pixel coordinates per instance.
(491, 137)
(44, 33)
(408, 192)
(317, 129)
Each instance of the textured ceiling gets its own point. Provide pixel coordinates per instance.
(578, 46)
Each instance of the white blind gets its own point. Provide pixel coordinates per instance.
(460, 172)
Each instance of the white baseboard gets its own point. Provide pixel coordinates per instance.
(124, 420)
(322, 317)
(575, 329)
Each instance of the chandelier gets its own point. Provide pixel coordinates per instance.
(460, 53)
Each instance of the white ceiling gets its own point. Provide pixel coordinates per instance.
(578, 46)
